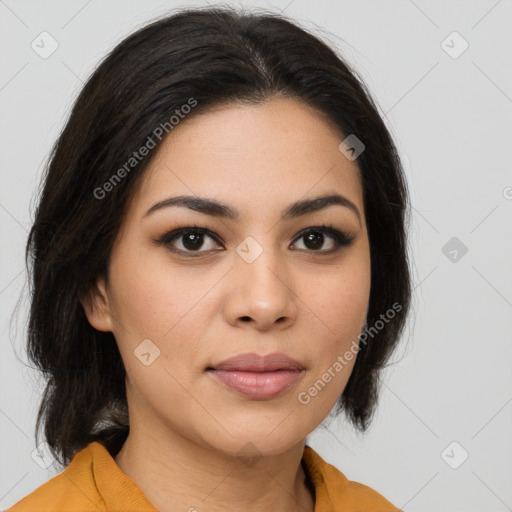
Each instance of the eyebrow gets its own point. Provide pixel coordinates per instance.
(216, 209)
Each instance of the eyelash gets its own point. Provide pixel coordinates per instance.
(341, 238)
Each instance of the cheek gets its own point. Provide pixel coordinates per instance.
(168, 305)
(152, 296)
(161, 304)
(319, 394)
(339, 301)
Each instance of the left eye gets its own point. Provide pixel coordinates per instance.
(315, 239)
(192, 239)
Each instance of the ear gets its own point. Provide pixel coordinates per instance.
(97, 307)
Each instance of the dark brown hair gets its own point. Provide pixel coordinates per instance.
(216, 56)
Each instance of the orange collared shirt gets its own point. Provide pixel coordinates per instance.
(93, 482)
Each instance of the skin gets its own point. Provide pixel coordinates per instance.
(186, 428)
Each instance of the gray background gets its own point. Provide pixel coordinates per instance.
(451, 116)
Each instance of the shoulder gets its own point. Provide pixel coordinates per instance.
(335, 490)
(72, 489)
(355, 495)
(367, 498)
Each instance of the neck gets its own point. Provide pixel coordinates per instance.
(180, 475)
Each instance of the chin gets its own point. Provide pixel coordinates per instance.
(257, 441)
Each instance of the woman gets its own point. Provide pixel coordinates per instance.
(218, 260)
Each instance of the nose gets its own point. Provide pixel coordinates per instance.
(261, 292)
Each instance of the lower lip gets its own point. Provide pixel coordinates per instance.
(258, 385)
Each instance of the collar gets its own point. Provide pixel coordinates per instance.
(332, 490)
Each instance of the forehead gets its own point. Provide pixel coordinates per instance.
(249, 156)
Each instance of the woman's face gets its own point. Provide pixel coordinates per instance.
(266, 279)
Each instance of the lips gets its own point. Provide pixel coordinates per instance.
(252, 362)
(258, 377)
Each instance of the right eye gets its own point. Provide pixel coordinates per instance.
(192, 239)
